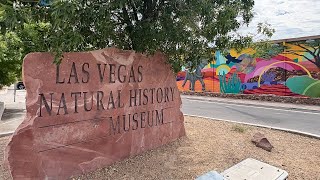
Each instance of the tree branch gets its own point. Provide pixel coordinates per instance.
(308, 50)
(154, 9)
(160, 7)
(135, 14)
(129, 27)
(317, 51)
(300, 56)
(149, 7)
(145, 11)
(127, 19)
(118, 16)
(313, 48)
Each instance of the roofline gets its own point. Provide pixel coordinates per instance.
(296, 39)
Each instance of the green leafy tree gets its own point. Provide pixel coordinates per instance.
(264, 47)
(185, 30)
(21, 33)
(10, 58)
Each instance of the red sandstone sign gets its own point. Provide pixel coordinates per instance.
(92, 110)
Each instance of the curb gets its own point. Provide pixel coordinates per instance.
(6, 134)
(258, 97)
(254, 104)
(262, 126)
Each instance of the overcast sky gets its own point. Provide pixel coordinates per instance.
(290, 18)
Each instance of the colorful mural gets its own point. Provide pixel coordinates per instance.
(295, 72)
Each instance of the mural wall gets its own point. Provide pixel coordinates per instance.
(294, 73)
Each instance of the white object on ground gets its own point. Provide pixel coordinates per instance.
(251, 169)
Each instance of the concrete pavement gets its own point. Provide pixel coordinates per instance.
(292, 117)
(15, 111)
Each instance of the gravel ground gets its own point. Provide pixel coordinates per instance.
(214, 145)
(4, 174)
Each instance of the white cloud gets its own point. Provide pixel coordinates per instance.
(290, 18)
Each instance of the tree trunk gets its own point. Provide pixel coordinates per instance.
(317, 61)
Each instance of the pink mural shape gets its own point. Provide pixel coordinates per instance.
(262, 63)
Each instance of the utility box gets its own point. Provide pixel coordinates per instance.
(251, 169)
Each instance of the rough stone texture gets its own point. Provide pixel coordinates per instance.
(58, 146)
(260, 97)
(261, 141)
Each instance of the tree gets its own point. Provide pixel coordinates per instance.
(264, 48)
(310, 50)
(10, 58)
(17, 41)
(191, 29)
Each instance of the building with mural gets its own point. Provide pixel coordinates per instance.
(294, 72)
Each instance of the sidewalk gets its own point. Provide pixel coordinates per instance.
(288, 106)
(15, 111)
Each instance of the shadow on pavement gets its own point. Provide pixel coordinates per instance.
(12, 113)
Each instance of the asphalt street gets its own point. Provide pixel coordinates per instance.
(296, 119)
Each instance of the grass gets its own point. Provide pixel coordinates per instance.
(238, 128)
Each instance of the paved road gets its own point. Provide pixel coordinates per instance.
(297, 119)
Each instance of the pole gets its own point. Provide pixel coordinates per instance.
(14, 92)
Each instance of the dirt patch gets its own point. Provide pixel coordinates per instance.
(214, 145)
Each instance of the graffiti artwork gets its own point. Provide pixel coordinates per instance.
(194, 75)
(295, 72)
